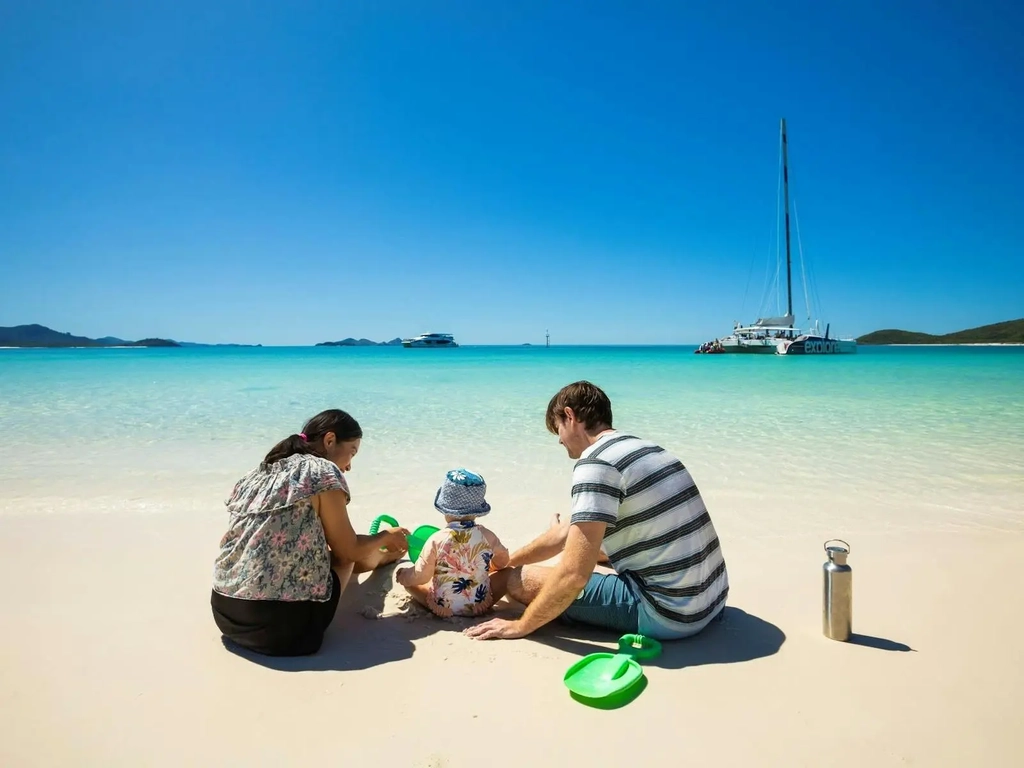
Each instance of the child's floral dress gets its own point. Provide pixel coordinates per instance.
(460, 557)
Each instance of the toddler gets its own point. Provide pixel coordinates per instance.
(457, 560)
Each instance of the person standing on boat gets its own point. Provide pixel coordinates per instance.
(635, 505)
(290, 548)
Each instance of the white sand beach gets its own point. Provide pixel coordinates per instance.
(110, 657)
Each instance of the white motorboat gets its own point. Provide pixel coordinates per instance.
(430, 340)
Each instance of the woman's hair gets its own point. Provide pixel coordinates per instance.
(311, 440)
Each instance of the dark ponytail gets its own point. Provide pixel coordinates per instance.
(311, 441)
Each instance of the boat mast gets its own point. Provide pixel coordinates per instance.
(785, 186)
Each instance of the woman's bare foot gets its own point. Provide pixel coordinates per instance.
(391, 552)
(389, 556)
(383, 556)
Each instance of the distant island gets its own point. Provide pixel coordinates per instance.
(152, 343)
(40, 336)
(1009, 332)
(360, 343)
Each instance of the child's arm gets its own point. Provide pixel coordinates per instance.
(423, 570)
(501, 557)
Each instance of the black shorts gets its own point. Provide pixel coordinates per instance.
(276, 627)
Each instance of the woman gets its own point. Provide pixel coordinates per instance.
(290, 549)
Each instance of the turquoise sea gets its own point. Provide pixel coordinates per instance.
(861, 437)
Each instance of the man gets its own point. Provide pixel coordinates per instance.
(633, 504)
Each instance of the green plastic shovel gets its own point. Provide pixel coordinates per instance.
(609, 680)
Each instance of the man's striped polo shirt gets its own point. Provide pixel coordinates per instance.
(659, 536)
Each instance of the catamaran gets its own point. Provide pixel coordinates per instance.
(777, 334)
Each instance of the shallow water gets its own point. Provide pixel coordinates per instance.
(851, 440)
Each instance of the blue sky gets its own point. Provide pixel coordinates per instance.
(286, 173)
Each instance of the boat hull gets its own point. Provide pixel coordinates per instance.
(430, 341)
(749, 349)
(817, 347)
(762, 346)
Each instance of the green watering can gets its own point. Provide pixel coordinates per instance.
(416, 539)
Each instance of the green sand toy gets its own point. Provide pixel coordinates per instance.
(375, 525)
(609, 680)
(415, 540)
(418, 538)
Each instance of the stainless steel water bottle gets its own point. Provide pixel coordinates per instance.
(837, 605)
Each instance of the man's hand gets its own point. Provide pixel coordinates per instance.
(496, 629)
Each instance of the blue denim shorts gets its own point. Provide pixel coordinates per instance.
(608, 601)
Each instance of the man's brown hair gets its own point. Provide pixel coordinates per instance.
(590, 404)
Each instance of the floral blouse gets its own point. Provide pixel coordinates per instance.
(275, 547)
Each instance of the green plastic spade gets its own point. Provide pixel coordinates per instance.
(418, 538)
(612, 679)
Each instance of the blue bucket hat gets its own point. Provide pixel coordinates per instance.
(462, 495)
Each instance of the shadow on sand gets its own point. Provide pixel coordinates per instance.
(740, 636)
(353, 642)
(880, 643)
